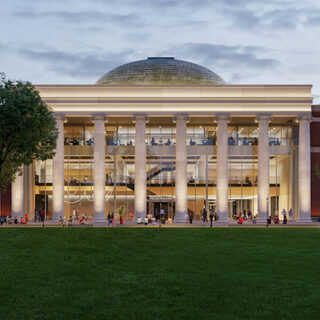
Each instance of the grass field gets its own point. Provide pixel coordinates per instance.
(165, 273)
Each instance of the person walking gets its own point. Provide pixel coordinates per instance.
(190, 217)
(109, 219)
(211, 216)
(204, 214)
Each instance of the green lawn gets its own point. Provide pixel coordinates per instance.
(160, 273)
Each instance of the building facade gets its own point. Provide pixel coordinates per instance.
(168, 134)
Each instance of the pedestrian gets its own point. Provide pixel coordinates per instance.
(284, 214)
(249, 215)
(285, 219)
(36, 215)
(109, 219)
(290, 214)
(112, 219)
(211, 216)
(204, 214)
(190, 217)
(60, 221)
(41, 213)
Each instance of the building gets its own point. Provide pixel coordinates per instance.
(170, 134)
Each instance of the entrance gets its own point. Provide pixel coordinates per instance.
(166, 206)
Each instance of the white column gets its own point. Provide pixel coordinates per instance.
(304, 183)
(222, 168)
(99, 176)
(17, 197)
(58, 174)
(140, 177)
(263, 169)
(181, 182)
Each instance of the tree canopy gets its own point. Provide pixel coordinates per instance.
(27, 128)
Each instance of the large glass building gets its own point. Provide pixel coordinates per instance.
(162, 133)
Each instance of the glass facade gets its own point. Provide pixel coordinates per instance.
(160, 167)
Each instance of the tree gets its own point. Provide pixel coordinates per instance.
(27, 128)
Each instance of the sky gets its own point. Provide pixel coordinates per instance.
(244, 41)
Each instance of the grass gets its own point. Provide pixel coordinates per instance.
(167, 273)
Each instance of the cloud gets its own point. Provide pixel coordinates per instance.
(77, 65)
(83, 16)
(225, 56)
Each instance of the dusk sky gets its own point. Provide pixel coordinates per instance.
(244, 41)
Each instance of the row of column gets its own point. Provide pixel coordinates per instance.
(181, 186)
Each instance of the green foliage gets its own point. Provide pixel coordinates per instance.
(27, 128)
(121, 211)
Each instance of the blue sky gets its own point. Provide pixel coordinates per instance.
(244, 41)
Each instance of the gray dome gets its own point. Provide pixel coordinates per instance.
(160, 71)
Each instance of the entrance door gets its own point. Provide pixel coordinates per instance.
(157, 206)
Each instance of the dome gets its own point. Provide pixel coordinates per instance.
(160, 71)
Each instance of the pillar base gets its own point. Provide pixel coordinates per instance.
(304, 221)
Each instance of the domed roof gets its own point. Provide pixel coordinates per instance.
(160, 71)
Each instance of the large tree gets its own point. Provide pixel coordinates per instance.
(27, 128)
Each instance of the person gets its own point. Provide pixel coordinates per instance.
(156, 214)
(269, 220)
(245, 214)
(121, 220)
(146, 220)
(249, 215)
(81, 220)
(139, 220)
(112, 219)
(240, 221)
(284, 213)
(41, 213)
(204, 214)
(149, 215)
(231, 141)
(276, 219)
(70, 221)
(211, 216)
(2, 220)
(154, 220)
(254, 219)
(131, 216)
(109, 219)
(216, 217)
(36, 215)
(290, 214)
(8, 220)
(162, 212)
(26, 217)
(60, 221)
(22, 220)
(163, 219)
(15, 221)
(190, 217)
(285, 219)
(90, 142)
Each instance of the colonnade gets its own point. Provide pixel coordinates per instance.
(181, 187)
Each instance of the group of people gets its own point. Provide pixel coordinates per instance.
(284, 214)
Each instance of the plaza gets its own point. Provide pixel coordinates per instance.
(167, 134)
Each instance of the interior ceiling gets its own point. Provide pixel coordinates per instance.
(168, 121)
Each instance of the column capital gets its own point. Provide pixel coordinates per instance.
(307, 117)
(263, 117)
(60, 116)
(181, 117)
(140, 117)
(225, 117)
(99, 117)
